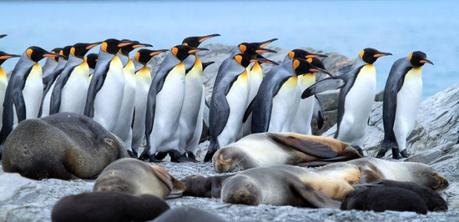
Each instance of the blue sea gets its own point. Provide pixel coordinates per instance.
(344, 26)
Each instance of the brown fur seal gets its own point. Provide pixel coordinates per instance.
(298, 186)
(63, 146)
(135, 177)
(188, 214)
(431, 199)
(269, 149)
(108, 206)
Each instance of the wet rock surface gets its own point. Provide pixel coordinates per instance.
(433, 141)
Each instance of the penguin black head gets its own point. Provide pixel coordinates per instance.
(91, 59)
(66, 52)
(5, 56)
(110, 46)
(80, 49)
(195, 41)
(244, 59)
(303, 54)
(253, 48)
(3, 35)
(128, 45)
(418, 59)
(36, 53)
(183, 51)
(370, 55)
(143, 56)
(301, 66)
(57, 51)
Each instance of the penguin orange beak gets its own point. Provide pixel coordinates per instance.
(424, 61)
(123, 44)
(140, 45)
(51, 55)
(93, 45)
(267, 42)
(316, 55)
(194, 50)
(381, 54)
(157, 52)
(7, 56)
(317, 69)
(262, 59)
(204, 38)
(264, 50)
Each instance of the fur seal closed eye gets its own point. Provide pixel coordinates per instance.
(108, 206)
(63, 146)
(188, 214)
(269, 149)
(135, 177)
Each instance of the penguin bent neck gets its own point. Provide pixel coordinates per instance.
(197, 69)
(144, 73)
(116, 63)
(256, 70)
(129, 68)
(307, 79)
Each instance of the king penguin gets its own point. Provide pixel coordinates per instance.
(4, 78)
(71, 87)
(356, 97)
(165, 101)
(143, 81)
(255, 49)
(24, 91)
(105, 92)
(228, 103)
(302, 120)
(276, 103)
(402, 96)
(191, 115)
(123, 125)
(49, 80)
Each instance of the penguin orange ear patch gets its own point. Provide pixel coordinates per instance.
(29, 52)
(242, 47)
(137, 56)
(296, 63)
(104, 46)
(174, 51)
(291, 54)
(72, 51)
(361, 54)
(238, 59)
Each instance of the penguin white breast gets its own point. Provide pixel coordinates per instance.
(33, 91)
(408, 99)
(169, 102)
(255, 78)
(358, 104)
(3, 85)
(237, 99)
(284, 106)
(143, 81)
(74, 92)
(303, 116)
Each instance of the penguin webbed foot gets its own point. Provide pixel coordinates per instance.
(210, 153)
(160, 155)
(395, 153)
(177, 157)
(404, 153)
(150, 158)
(191, 157)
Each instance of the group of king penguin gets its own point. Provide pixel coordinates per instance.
(164, 111)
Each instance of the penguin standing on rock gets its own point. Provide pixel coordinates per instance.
(143, 80)
(229, 101)
(24, 91)
(71, 87)
(105, 92)
(402, 96)
(49, 79)
(165, 101)
(4, 78)
(356, 97)
(191, 116)
(123, 124)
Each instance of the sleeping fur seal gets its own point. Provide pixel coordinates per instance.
(108, 206)
(132, 176)
(269, 149)
(63, 146)
(188, 214)
(312, 187)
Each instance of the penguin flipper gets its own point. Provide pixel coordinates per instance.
(56, 95)
(8, 116)
(249, 110)
(318, 112)
(94, 86)
(218, 114)
(304, 145)
(19, 103)
(322, 86)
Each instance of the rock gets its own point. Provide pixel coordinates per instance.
(434, 141)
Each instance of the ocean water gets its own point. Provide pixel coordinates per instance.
(343, 26)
